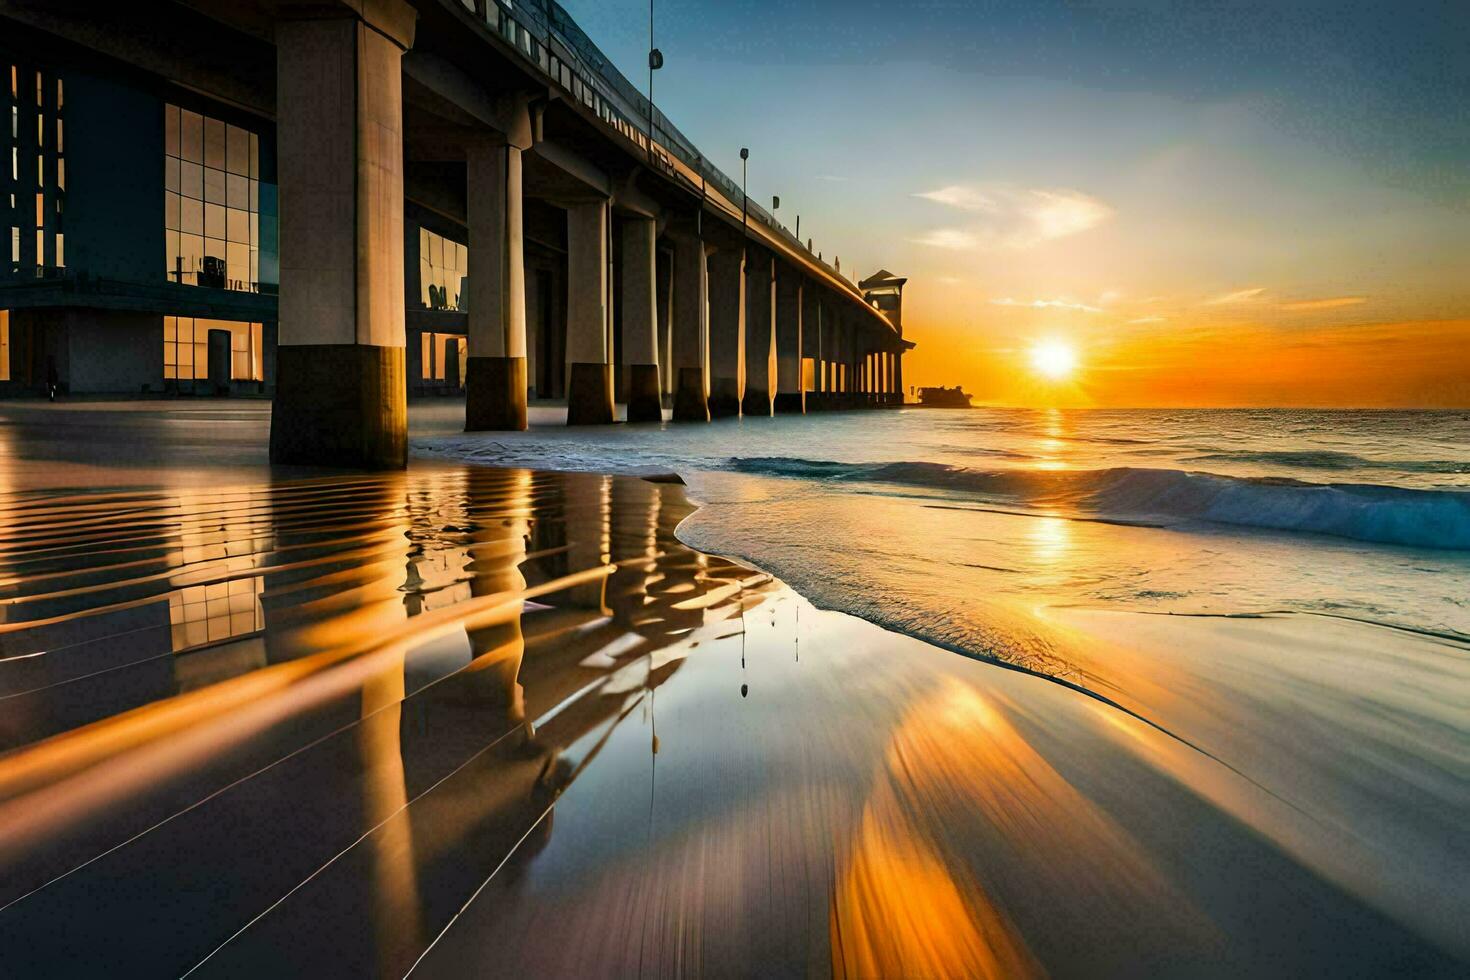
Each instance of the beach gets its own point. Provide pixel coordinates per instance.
(476, 719)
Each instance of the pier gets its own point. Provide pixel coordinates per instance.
(365, 202)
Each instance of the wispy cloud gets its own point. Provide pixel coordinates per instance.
(947, 238)
(1045, 304)
(1332, 303)
(831, 177)
(1239, 296)
(1149, 319)
(1020, 217)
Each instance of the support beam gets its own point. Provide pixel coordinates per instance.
(495, 373)
(790, 386)
(589, 326)
(638, 292)
(726, 332)
(341, 392)
(760, 335)
(690, 362)
(664, 290)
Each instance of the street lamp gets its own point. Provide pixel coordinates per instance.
(744, 199)
(655, 62)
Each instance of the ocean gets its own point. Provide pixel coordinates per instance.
(909, 517)
(1283, 595)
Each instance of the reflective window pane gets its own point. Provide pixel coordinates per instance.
(191, 136)
(214, 143)
(191, 216)
(237, 226)
(214, 221)
(214, 185)
(237, 191)
(237, 156)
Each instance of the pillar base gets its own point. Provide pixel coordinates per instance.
(340, 405)
(645, 403)
(724, 398)
(790, 403)
(495, 394)
(756, 403)
(590, 395)
(690, 405)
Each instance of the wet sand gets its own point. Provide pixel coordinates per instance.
(465, 721)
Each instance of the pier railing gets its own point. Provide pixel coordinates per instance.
(545, 35)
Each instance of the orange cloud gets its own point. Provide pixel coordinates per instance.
(1332, 303)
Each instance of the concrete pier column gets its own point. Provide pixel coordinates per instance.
(898, 375)
(664, 291)
(341, 392)
(726, 332)
(690, 361)
(495, 372)
(760, 335)
(790, 386)
(589, 324)
(639, 295)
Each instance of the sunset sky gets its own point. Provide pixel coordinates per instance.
(1213, 203)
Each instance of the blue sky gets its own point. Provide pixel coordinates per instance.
(1094, 169)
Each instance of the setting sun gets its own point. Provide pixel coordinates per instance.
(1053, 359)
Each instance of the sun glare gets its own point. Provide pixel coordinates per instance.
(1053, 359)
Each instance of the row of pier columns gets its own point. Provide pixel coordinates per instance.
(742, 333)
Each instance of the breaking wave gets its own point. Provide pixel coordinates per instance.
(1362, 512)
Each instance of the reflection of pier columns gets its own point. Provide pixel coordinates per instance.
(726, 332)
(395, 898)
(588, 546)
(638, 292)
(495, 378)
(501, 503)
(341, 391)
(790, 386)
(690, 363)
(589, 337)
(760, 341)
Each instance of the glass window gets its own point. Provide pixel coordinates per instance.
(213, 170)
(214, 221)
(237, 155)
(442, 266)
(237, 192)
(191, 136)
(191, 216)
(214, 143)
(186, 348)
(214, 185)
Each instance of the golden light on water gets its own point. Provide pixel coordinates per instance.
(1054, 359)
